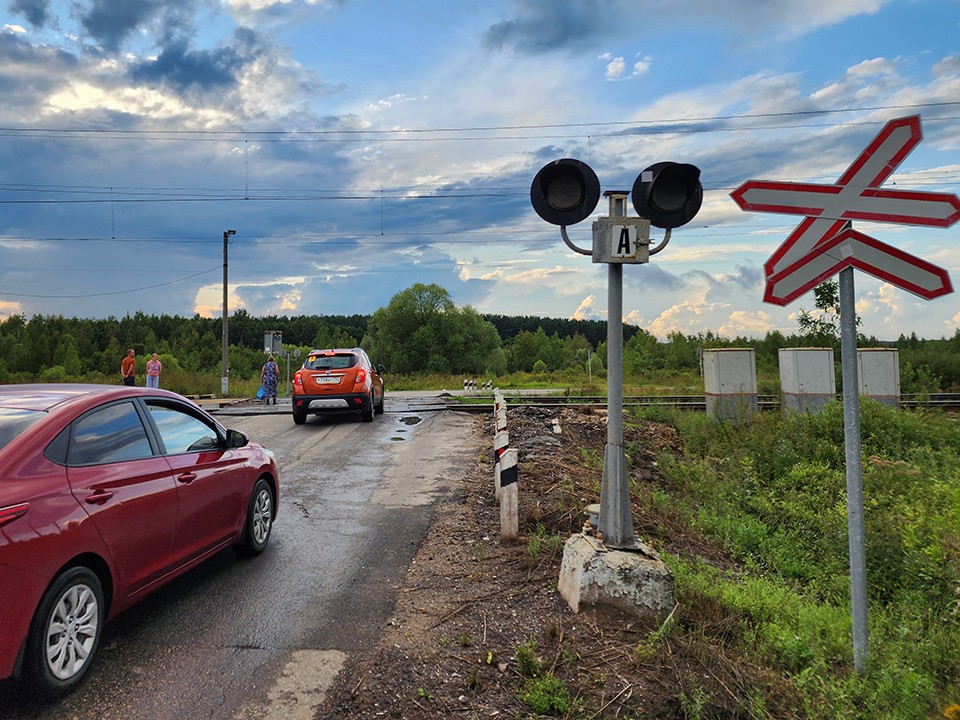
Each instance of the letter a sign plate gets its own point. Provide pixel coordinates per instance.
(824, 242)
(621, 240)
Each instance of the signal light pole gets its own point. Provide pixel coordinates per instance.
(666, 195)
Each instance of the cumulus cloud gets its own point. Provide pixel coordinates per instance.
(742, 323)
(588, 310)
(8, 309)
(950, 65)
(641, 67)
(615, 68)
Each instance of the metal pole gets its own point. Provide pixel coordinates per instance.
(851, 426)
(615, 521)
(224, 358)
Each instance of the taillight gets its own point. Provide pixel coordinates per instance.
(297, 379)
(12, 512)
(361, 377)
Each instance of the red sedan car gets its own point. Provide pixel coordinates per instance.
(107, 493)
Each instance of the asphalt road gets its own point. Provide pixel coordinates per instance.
(263, 637)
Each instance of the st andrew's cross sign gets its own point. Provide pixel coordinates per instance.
(824, 243)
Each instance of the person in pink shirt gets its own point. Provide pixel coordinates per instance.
(154, 368)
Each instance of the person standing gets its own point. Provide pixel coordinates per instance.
(154, 368)
(128, 368)
(269, 380)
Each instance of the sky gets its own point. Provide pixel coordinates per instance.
(358, 147)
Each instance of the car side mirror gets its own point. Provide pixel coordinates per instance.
(236, 439)
(381, 369)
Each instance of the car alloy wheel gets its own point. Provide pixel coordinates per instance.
(259, 521)
(66, 631)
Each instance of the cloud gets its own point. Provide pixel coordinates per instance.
(587, 311)
(37, 12)
(179, 67)
(688, 317)
(641, 67)
(615, 68)
(950, 65)
(743, 323)
(257, 13)
(111, 22)
(8, 309)
(537, 27)
(534, 277)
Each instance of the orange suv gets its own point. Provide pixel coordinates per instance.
(337, 380)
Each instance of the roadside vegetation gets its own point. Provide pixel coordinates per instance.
(426, 342)
(772, 493)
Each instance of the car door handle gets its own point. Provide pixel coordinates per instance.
(186, 478)
(99, 497)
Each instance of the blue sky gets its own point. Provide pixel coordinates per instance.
(360, 146)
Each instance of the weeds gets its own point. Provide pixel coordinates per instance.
(773, 493)
(547, 696)
(528, 661)
(542, 540)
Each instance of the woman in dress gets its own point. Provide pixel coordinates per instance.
(269, 379)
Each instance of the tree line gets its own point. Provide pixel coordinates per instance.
(420, 330)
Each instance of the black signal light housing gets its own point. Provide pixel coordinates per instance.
(669, 194)
(565, 192)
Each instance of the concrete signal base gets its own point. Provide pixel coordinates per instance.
(632, 581)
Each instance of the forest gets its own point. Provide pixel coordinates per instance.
(420, 331)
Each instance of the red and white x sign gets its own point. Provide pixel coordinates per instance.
(823, 243)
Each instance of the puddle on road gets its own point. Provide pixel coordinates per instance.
(409, 420)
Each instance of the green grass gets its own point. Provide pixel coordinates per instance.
(772, 492)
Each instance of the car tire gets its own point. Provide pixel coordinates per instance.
(378, 408)
(65, 632)
(259, 521)
(367, 412)
(299, 418)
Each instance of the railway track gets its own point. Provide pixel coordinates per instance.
(944, 401)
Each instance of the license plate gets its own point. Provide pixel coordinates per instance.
(327, 380)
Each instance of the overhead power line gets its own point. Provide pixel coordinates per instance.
(675, 125)
(116, 292)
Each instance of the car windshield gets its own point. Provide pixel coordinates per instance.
(330, 362)
(14, 421)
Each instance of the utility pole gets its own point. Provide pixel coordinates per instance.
(224, 360)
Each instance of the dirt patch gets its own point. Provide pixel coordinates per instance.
(480, 630)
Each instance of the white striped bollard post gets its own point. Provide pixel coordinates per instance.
(501, 441)
(509, 510)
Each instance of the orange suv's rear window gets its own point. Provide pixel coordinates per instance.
(330, 362)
